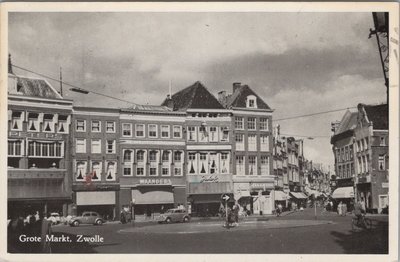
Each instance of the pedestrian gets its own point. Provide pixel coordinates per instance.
(236, 214)
(362, 203)
(123, 218)
(339, 208)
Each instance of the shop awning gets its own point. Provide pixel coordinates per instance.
(298, 195)
(207, 198)
(343, 192)
(95, 198)
(280, 196)
(152, 197)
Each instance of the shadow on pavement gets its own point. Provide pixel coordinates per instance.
(374, 241)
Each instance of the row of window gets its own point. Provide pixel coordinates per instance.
(95, 172)
(152, 131)
(149, 162)
(252, 169)
(208, 163)
(95, 126)
(46, 149)
(362, 144)
(344, 154)
(95, 146)
(208, 134)
(346, 171)
(251, 142)
(40, 122)
(251, 123)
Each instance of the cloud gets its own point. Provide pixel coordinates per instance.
(298, 62)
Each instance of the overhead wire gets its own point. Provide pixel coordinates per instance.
(74, 86)
(314, 114)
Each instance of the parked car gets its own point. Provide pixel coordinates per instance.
(54, 218)
(87, 217)
(174, 215)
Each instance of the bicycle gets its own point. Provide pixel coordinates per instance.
(363, 222)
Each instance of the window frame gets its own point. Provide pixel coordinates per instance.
(156, 130)
(255, 123)
(137, 130)
(180, 131)
(91, 126)
(114, 143)
(91, 145)
(169, 131)
(77, 124)
(84, 145)
(123, 129)
(113, 127)
(241, 121)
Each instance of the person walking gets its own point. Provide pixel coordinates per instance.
(236, 214)
(339, 208)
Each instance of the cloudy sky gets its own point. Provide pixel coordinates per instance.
(300, 63)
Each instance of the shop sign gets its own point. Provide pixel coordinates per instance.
(262, 186)
(33, 134)
(208, 178)
(162, 181)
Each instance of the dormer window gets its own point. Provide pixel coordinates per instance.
(251, 101)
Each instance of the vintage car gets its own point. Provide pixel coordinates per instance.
(87, 217)
(174, 215)
(54, 218)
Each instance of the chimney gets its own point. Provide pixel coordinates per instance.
(236, 85)
(170, 102)
(222, 97)
(10, 71)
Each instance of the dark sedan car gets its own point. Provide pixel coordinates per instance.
(87, 218)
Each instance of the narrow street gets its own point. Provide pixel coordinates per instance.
(294, 233)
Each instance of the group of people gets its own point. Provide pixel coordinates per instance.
(34, 225)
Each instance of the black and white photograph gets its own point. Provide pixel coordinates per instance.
(205, 128)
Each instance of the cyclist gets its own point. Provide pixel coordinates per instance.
(359, 210)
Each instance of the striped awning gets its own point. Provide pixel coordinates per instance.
(280, 196)
(343, 192)
(298, 195)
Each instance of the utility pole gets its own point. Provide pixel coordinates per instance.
(381, 31)
(61, 88)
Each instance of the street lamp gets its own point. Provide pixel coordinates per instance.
(79, 90)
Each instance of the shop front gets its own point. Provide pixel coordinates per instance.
(102, 199)
(255, 197)
(344, 195)
(149, 197)
(204, 193)
(297, 200)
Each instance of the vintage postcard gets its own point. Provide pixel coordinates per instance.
(205, 131)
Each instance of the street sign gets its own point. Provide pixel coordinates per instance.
(225, 197)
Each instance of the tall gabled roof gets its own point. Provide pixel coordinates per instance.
(349, 122)
(195, 96)
(36, 87)
(378, 115)
(239, 97)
